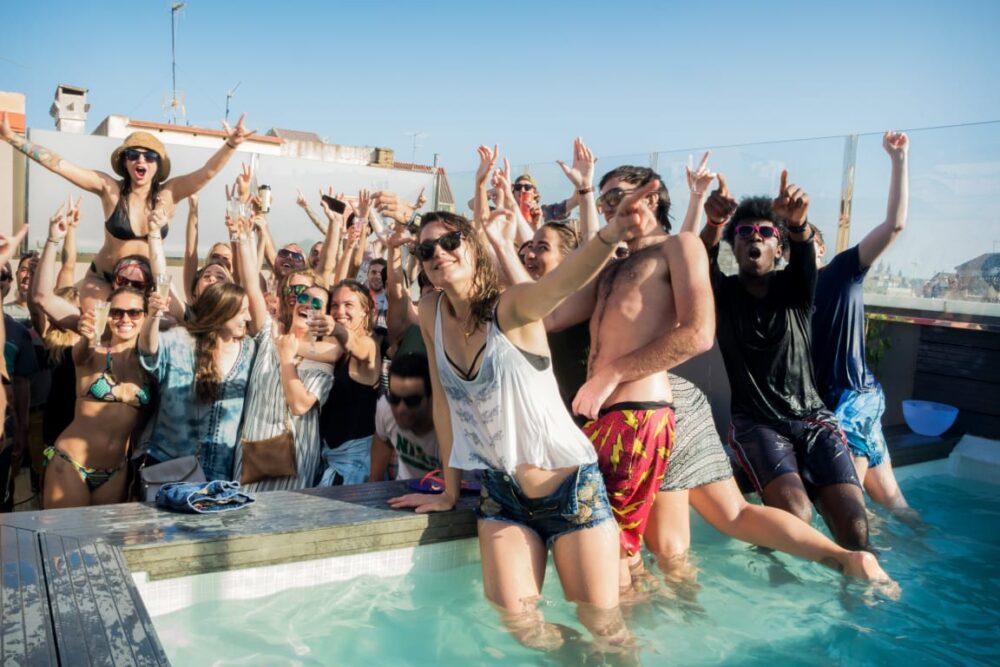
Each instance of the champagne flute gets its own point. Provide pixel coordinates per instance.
(101, 310)
(163, 285)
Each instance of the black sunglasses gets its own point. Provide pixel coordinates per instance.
(133, 313)
(523, 186)
(133, 154)
(411, 401)
(291, 254)
(448, 242)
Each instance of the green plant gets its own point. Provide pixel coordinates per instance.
(877, 343)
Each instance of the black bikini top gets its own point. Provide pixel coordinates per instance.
(120, 227)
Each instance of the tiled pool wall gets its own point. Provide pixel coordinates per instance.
(169, 595)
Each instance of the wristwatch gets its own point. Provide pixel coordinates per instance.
(413, 224)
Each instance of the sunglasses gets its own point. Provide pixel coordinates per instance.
(140, 285)
(527, 187)
(612, 198)
(6, 275)
(132, 154)
(133, 313)
(411, 401)
(765, 231)
(448, 242)
(294, 289)
(292, 255)
(314, 302)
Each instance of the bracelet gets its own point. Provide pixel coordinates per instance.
(697, 193)
(54, 241)
(610, 244)
(158, 237)
(713, 223)
(585, 191)
(230, 145)
(798, 229)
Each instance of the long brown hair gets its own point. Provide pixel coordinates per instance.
(217, 304)
(485, 284)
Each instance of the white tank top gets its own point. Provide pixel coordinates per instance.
(510, 413)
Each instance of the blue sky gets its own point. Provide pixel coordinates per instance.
(629, 77)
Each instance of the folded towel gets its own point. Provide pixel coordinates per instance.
(202, 497)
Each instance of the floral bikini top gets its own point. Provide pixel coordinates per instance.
(106, 388)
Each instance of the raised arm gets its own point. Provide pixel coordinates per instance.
(401, 314)
(328, 262)
(191, 248)
(698, 183)
(184, 186)
(718, 209)
(67, 270)
(299, 399)
(530, 302)
(149, 333)
(692, 296)
(90, 180)
(63, 313)
(304, 205)
(249, 271)
(876, 242)
(581, 175)
(792, 205)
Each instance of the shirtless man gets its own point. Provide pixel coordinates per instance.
(662, 286)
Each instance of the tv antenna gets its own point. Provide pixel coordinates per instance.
(229, 96)
(416, 136)
(174, 103)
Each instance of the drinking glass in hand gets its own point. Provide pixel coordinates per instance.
(101, 310)
(163, 285)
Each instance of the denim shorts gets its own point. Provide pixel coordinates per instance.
(860, 415)
(581, 501)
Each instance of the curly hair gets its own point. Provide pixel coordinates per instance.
(639, 176)
(753, 209)
(218, 304)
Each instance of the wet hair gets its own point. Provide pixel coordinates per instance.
(485, 283)
(201, 272)
(753, 209)
(639, 176)
(364, 295)
(568, 239)
(218, 304)
(57, 340)
(413, 365)
(126, 185)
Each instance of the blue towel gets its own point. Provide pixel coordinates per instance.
(202, 497)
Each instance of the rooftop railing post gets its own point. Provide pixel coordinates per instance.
(847, 192)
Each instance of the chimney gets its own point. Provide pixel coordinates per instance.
(70, 109)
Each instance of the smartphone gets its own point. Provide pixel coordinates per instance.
(335, 205)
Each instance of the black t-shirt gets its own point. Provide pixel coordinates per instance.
(765, 342)
(838, 325)
(570, 349)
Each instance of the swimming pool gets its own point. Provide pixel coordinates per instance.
(753, 608)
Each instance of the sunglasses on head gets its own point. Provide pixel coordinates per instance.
(132, 154)
(448, 242)
(292, 255)
(295, 289)
(765, 231)
(528, 187)
(121, 281)
(133, 313)
(314, 302)
(411, 401)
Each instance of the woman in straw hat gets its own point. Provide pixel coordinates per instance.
(144, 167)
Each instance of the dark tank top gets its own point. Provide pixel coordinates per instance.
(570, 350)
(349, 411)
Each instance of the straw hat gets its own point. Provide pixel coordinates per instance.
(142, 140)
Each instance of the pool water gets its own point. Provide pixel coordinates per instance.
(753, 608)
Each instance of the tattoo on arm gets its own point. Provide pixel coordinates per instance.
(39, 154)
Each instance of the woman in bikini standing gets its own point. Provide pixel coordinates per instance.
(86, 464)
(143, 165)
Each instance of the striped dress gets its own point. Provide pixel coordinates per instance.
(264, 413)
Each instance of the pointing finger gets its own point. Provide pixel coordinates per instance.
(723, 188)
(784, 182)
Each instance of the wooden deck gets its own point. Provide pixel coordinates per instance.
(66, 591)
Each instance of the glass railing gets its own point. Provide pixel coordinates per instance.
(946, 261)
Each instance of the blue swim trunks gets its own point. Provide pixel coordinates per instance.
(860, 416)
